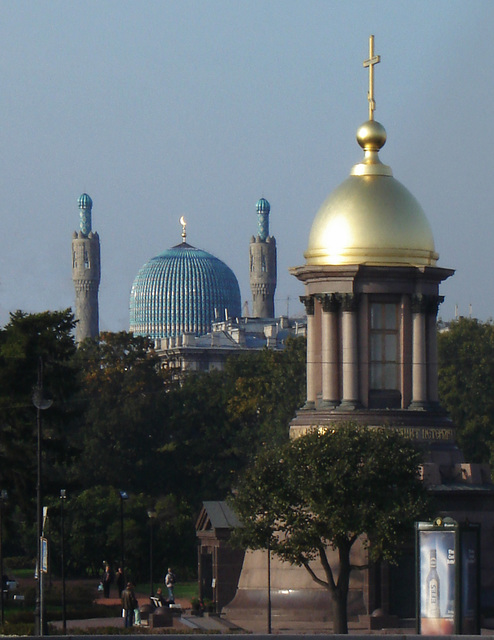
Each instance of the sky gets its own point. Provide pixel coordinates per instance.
(197, 108)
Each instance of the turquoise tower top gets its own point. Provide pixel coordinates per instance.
(263, 208)
(85, 207)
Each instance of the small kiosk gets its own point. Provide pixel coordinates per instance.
(448, 577)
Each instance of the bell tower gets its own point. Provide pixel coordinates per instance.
(262, 254)
(86, 273)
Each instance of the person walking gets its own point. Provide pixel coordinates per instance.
(129, 603)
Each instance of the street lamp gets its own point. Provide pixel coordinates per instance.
(269, 586)
(152, 517)
(3, 499)
(63, 497)
(41, 402)
(123, 496)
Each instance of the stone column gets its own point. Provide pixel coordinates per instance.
(419, 353)
(330, 304)
(431, 337)
(310, 402)
(349, 336)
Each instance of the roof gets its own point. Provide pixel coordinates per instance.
(182, 290)
(217, 515)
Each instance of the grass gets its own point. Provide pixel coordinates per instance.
(187, 590)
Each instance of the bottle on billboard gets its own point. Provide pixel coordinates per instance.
(433, 587)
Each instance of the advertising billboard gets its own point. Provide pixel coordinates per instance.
(448, 577)
(437, 582)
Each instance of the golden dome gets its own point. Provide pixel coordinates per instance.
(371, 218)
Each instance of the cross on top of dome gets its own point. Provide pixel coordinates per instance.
(372, 60)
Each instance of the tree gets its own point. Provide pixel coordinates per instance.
(94, 528)
(218, 420)
(267, 387)
(204, 450)
(123, 408)
(26, 340)
(466, 380)
(325, 490)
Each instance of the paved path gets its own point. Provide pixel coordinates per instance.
(117, 622)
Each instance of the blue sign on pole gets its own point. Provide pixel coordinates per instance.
(44, 555)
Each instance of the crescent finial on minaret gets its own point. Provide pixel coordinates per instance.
(184, 225)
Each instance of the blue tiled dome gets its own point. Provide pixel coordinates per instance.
(180, 291)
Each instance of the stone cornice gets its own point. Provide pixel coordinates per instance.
(315, 273)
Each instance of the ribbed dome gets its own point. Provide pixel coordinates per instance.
(371, 218)
(85, 201)
(263, 206)
(182, 291)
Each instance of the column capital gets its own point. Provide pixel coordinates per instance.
(308, 302)
(330, 302)
(422, 303)
(349, 301)
(433, 304)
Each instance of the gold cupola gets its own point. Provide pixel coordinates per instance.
(371, 218)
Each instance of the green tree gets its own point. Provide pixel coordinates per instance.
(93, 533)
(123, 407)
(26, 341)
(204, 451)
(267, 387)
(218, 420)
(466, 380)
(325, 490)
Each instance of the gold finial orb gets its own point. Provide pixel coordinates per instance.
(371, 136)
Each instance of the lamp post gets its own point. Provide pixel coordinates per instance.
(269, 587)
(123, 496)
(152, 517)
(63, 497)
(3, 499)
(41, 403)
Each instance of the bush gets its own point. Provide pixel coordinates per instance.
(18, 628)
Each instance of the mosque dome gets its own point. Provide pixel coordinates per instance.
(371, 218)
(182, 290)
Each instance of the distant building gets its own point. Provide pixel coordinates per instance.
(227, 338)
(188, 301)
(262, 264)
(86, 273)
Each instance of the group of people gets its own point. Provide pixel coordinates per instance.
(109, 578)
(130, 605)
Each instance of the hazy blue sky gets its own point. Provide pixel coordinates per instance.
(199, 108)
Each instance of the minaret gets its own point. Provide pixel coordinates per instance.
(262, 253)
(86, 273)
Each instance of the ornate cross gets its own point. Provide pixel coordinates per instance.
(370, 63)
